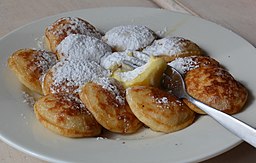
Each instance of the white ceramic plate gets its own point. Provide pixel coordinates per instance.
(202, 140)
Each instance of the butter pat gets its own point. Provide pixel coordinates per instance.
(147, 75)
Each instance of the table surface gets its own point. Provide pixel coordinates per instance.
(14, 14)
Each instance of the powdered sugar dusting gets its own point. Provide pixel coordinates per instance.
(129, 37)
(74, 73)
(109, 84)
(165, 46)
(82, 46)
(42, 61)
(40, 42)
(130, 75)
(140, 55)
(163, 100)
(70, 75)
(45, 60)
(28, 99)
(77, 104)
(73, 25)
(183, 65)
(161, 33)
(116, 59)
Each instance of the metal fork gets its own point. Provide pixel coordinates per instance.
(174, 82)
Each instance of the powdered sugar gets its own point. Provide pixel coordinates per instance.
(161, 33)
(183, 65)
(130, 75)
(72, 74)
(73, 25)
(40, 42)
(45, 60)
(77, 104)
(28, 99)
(84, 47)
(129, 37)
(111, 85)
(163, 100)
(140, 55)
(42, 61)
(116, 59)
(166, 46)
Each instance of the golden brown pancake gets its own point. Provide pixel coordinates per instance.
(111, 113)
(215, 87)
(159, 110)
(30, 65)
(65, 26)
(66, 115)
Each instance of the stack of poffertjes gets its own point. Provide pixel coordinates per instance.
(80, 96)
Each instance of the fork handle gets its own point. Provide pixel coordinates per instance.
(234, 125)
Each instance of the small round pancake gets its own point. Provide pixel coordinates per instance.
(65, 26)
(66, 115)
(108, 110)
(172, 47)
(29, 65)
(185, 64)
(83, 47)
(129, 37)
(159, 110)
(217, 88)
(69, 75)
